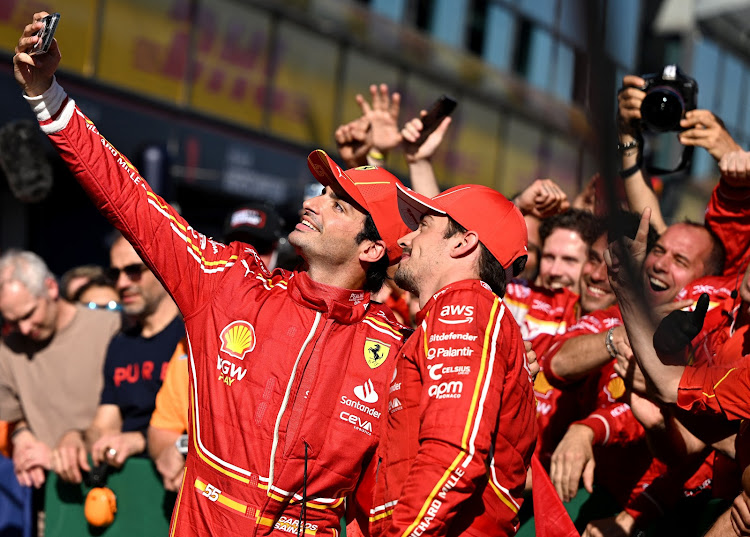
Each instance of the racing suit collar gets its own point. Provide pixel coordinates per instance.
(346, 306)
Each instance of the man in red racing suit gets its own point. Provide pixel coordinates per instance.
(288, 370)
(461, 422)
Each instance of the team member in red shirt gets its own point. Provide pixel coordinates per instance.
(288, 370)
(460, 427)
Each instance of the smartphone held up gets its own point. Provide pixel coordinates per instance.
(440, 109)
(46, 34)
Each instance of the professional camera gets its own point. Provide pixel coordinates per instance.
(669, 95)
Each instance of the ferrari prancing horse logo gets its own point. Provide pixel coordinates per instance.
(376, 352)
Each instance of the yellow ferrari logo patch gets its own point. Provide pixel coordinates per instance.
(376, 352)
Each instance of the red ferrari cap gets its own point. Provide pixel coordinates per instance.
(373, 189)
(498, 222)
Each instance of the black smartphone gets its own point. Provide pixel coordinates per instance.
(442, 107)
(46, 34)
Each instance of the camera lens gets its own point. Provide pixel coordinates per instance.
(662, 109)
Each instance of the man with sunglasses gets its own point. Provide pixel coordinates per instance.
(289, 371)
(134, 369)
(51, 358)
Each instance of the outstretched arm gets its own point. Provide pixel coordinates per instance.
(639, 194)
(728, 211)
(639, 325)
(189, 264)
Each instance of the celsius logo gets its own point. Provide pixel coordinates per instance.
(366, 392)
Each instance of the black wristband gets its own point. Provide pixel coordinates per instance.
(629, 172)
(19, 430)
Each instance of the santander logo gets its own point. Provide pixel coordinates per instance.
(366, 393)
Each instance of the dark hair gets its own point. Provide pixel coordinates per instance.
(376, 272)
(491, 271)
(714, 264)
(96, 281)
(83, 271)
(582, 222)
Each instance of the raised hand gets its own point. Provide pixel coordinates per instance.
(382, 116)
(735, 168)
(677, 330)
(704, 130)
(410, 134)
(352, 140)
(629, 101)
(34, 73)
(542, 198)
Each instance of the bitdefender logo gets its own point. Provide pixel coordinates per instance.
(366, 392)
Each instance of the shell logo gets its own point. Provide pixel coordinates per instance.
(542, 385)
(237, 339)
(616, 388)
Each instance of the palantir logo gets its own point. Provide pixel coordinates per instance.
(366, 392)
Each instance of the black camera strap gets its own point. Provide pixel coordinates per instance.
(687, 156)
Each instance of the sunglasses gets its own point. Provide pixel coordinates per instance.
(133, 271)
(109, 306)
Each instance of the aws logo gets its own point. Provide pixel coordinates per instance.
(466, 312)
(237, 339)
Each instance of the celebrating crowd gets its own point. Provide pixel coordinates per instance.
(429, 349)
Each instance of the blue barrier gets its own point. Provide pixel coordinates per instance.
(15, 503)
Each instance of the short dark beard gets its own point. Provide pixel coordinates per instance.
(405, 280)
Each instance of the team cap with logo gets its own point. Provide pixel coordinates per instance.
(252, 222)
(478, 208)
(373, 189)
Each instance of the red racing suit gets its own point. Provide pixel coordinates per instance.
(543, 316)
(288, 377)
(460, 425)
(728, 215)
(719, 385)
(621, 454)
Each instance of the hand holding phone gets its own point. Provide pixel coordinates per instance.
(46, 34)
(439, 110)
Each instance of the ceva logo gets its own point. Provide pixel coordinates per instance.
(366, 393)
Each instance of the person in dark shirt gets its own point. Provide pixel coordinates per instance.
(134, 368)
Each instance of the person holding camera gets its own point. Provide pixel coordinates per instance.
(727, 214)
